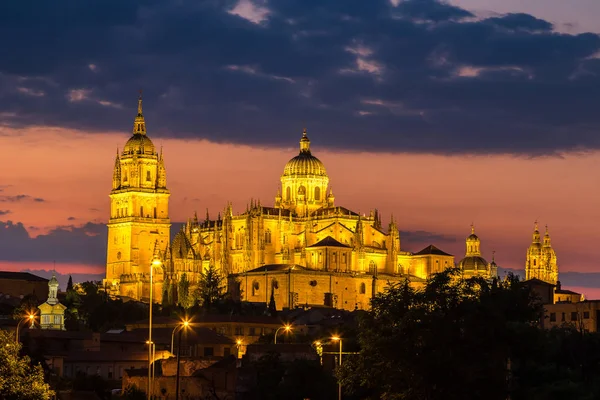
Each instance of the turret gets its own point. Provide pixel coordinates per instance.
(117, 172)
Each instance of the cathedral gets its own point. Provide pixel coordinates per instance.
(305, 249)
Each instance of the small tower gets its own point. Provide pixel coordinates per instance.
(52, 313)
(541, 259)
(473, 264)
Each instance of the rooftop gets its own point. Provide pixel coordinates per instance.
(431, 249)
(21, 276)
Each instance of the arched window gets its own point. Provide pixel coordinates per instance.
(255, 288)
(148, 176)
(268, 236)
(317, 193)
(372, 267)
(288, 193)
(141, 211)
(154, 212)
(363, 288)
(534, 260)
(302, 190)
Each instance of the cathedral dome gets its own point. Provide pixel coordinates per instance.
(139, 144)
(473, 263)
(304, 163)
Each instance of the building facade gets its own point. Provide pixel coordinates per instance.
(52, 312)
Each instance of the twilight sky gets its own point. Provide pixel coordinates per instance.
(482, 111)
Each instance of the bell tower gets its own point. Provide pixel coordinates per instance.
(541, 259)
(139, 214)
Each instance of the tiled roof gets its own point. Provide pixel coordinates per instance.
(328, 242)
(277, 267)
(431, 249)
(21, 276)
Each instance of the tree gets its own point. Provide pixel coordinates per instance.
(210, 288)
(70, 284)
(28, 305)
(19, 380)
(453, 339)
(300, 379)
(184, 298)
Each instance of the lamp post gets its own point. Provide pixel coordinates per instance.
(287, 329)
(184, 326)
(335, 339)
(155, 263)
(153, 353)
(238, 346)
(30, 317)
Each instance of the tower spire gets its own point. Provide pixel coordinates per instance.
(139, 125)
(304, 143)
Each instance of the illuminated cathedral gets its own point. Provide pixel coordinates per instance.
(305, 249)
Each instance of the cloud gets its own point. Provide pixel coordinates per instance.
(257, 72)
(19, 198)
(65, 244)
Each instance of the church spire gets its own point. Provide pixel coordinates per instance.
(304, 143)
(117, 172)
(139, 125)
(547, 238)
(536, 233)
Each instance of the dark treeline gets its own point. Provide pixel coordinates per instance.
(468, 339)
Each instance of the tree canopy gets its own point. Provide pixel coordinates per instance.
(19, 380)
(475, 339)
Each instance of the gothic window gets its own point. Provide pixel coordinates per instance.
(125, 176)
(317, 193)
(372, 267)
(148, 176)
(288, 193)
(268, 236)
(534, 262)
(363, 288)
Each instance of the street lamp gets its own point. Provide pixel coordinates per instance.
(30, 317)
(287, 328)
(335, 339)
(238, 346)
(153, 352)
(155, 263)
(184, 326)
